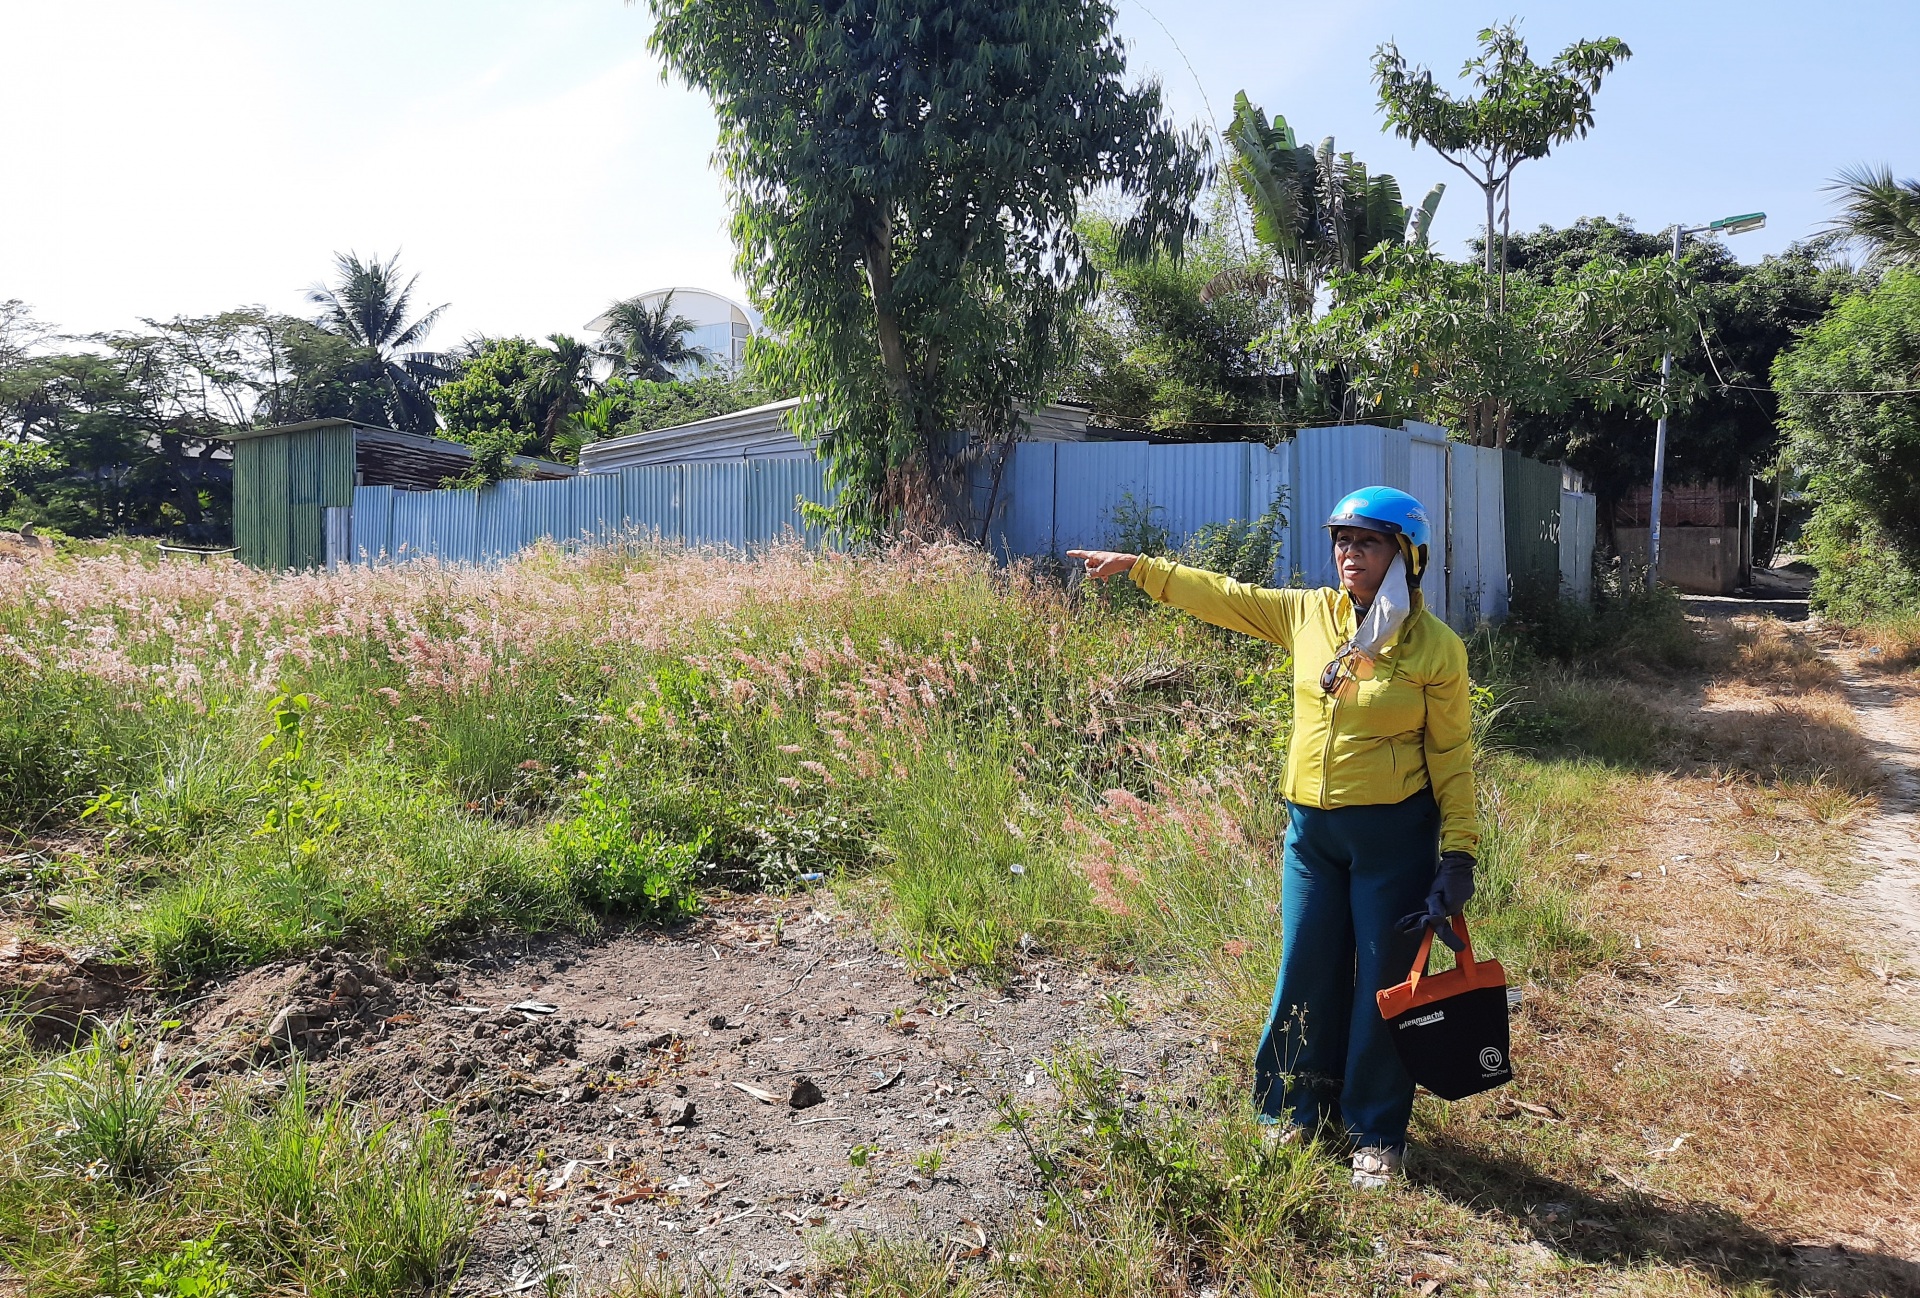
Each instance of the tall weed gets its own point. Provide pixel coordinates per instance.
(109, 1113)
(108, 1184)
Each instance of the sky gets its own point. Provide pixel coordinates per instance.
(527, 161)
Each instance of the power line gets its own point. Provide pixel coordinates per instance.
(1834, 392)
(1802, 392)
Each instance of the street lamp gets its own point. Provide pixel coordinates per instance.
(1725, 225)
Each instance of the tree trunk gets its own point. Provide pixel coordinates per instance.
(878, 255)
(1506, 224)
(1488, 189)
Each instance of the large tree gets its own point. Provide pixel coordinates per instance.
(119, 431)
(1409, 336)
(120, 437)
(1851, 399)
(1724, 427)
(370, 305)
(905, 181)
(1172, 345)
(1522, 111)
(512, 396)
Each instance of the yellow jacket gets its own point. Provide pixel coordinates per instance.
(1409, 729)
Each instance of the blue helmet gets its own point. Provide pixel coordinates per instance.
(1385, 509)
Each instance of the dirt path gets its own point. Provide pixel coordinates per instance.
(1889, 901)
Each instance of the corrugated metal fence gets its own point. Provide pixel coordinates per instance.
(1060, 496)
(1494, 513)
(740, 503)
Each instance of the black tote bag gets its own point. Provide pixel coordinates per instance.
(1450, 1029)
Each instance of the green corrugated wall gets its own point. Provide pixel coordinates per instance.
(1532, 498)
(281, 485)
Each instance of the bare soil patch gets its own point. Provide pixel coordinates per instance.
(629, 1098)
(56, 990)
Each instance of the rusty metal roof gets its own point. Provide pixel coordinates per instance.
(387, 457)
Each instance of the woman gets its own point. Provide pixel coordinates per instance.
(1381, 824)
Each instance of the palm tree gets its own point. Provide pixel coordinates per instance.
(1881, 213)
(369, 306)
(647, 342)
(1318, 211)
(559, 388)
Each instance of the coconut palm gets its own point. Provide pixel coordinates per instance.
(1880, 213)
(369, 306)
(647, 342)
(560, 387)
(1317, 210)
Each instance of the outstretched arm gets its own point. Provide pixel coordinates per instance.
(1250, 610)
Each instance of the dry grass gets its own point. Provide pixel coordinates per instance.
(1688, 1110)
(1810, 740)
(1748, 1070)
(1890, 644)
(1765, 654)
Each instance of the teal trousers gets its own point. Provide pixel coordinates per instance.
(1325, 1060)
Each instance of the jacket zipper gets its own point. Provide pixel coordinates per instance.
(1326, 754)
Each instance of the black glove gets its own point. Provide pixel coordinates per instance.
(1452, 888)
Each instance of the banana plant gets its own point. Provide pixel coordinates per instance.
(1316, 209)
(1420, 219)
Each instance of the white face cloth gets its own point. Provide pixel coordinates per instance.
(1354, 662)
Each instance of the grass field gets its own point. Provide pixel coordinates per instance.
(203, 768)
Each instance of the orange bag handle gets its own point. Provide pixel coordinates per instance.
(1464, 961)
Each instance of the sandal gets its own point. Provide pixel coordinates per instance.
(1375, 1167)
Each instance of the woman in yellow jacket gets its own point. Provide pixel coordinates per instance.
(1382, 825)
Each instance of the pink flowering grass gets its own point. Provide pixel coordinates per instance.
(918, 713)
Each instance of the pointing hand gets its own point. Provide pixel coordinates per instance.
(1102, 564)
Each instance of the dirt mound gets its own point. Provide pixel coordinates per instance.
(59, 991)
(308, 1006)
(712, 1096)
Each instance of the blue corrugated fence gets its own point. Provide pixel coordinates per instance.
(739, 503)
(1051, 497)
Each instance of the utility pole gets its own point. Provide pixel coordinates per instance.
(1725, 225)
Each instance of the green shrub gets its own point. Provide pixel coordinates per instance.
(1243, 551)
(1626, 625)
(611, 862)
(751, 842)
(1186, 1195)
(197, 1269)
(1860, 578)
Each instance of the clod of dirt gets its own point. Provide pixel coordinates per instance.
(680, 1113)
(301, 1006)
(805, 1094)
(59, 990)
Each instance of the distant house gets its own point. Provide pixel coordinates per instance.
(285, 478)
(761, 433)
(721, 326)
